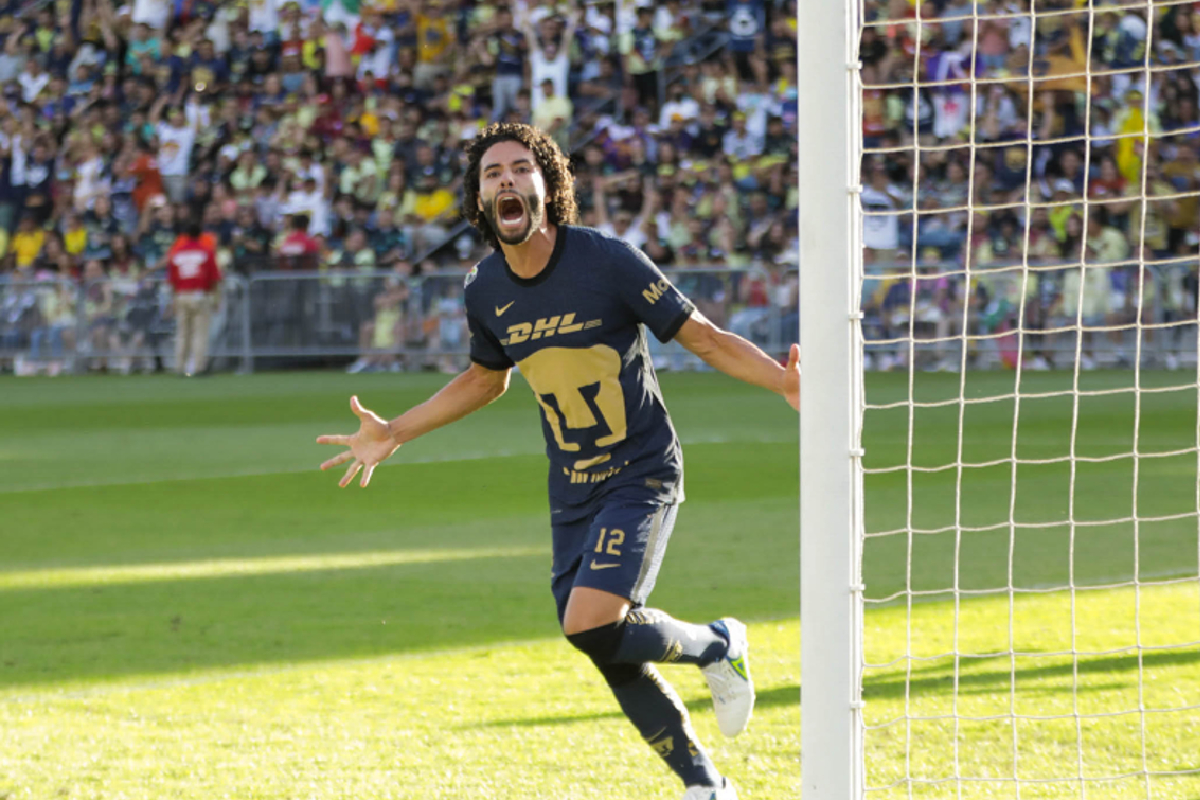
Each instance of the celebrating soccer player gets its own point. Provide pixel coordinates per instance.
(570, 306)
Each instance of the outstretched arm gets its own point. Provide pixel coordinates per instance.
(377, 438)
(741, 359)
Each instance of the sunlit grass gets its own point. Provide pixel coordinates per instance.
(1093, 699)
(147, 573)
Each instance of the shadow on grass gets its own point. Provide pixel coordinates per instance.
(939, 679)
(788, 695)
(109, 631)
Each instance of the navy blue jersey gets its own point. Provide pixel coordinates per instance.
(576, 332)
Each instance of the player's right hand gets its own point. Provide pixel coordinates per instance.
(372, 444)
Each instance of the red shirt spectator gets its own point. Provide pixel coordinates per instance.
(149, 180)
(298, 250)
(192, 263)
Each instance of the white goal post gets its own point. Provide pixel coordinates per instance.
(831, 406)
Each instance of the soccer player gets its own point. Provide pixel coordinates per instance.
(570, 306)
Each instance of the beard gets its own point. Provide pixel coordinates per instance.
(535, 212)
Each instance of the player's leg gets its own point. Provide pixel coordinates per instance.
(613, 566)
(649, 702)
(620, 561)
(621, 557)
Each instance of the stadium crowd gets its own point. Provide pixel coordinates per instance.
(327, 135)
(1058, 172)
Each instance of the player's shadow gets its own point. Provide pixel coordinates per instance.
(786, 695)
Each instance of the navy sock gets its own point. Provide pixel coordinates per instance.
(660, 717)
(654, 636)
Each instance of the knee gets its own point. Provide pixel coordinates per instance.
(600, 643)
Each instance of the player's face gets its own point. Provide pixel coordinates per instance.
(512, 192)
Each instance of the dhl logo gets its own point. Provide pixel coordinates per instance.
(545, 328)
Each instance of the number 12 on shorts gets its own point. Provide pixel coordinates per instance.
(615, 537)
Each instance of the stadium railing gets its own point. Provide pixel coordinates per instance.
(377, 319)
(385, 321)
(1053, 317)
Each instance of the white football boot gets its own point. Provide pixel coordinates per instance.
(729, 679)
(726, 792)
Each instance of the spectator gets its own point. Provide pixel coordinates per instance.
(381, 338)
(176, 140)
(433, 209)
(622, 223)
(747, 23)
(12, 58)
(435, 44)
(680, 104)
(554, 113)
(881, 227)
(298, 250)
(644, 52)
(507, 50)
(549, 57)
(739, 143)
(33, 80)
(27, 243)
(56, 333)
(193, 276)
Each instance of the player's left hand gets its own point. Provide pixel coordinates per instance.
(791, 378)
(372, 444)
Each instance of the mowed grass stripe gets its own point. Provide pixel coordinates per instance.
(99, 576)
(98, 447)
(87, 431)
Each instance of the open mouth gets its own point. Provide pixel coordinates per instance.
(510, 210)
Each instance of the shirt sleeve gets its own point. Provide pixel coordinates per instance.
(485, 350)
(652, 298)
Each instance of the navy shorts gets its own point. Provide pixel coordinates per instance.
(616, 544)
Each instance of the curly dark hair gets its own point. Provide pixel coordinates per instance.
(555, 168)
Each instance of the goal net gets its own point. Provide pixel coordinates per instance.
(1030, 545)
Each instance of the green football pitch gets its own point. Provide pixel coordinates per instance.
(190, 609)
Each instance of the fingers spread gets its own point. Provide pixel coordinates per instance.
(340, 458)
(333, 438)
(367, 473)
(351, 471)
(356, 406)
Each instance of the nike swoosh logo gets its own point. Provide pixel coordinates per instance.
(501, 309)
(603, 566)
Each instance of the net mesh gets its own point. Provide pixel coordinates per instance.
(1031, 230)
